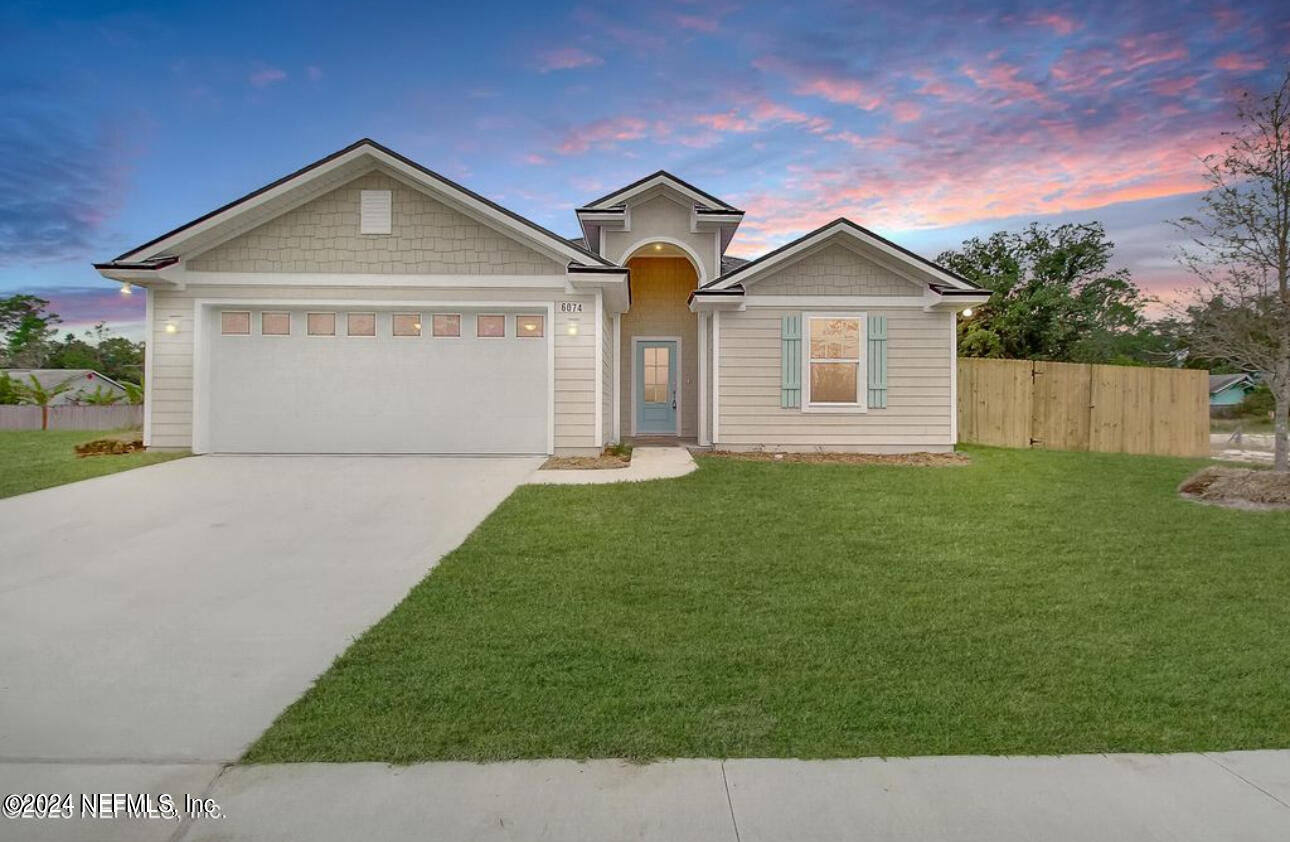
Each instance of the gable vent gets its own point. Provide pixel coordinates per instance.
(374, 212)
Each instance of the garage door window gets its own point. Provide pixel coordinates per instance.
(528, 326)
(490, 327)
(275, 324)
(407, 324)
(322, 324)
(235, 323)
(446, 324)
(361, 324)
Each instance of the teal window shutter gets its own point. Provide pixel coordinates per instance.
(877, 362)
(790, 361)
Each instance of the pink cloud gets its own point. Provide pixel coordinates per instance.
(603, 134)
(1174, 87)
(844, 91)
(1006, 79)
(535, 159)
(697, 23)
(315, 73)
(567, 58)
(1059, 23)
(266, 76)
(1237, 63)
(762, 114)
(906, 112)
(1150, 49)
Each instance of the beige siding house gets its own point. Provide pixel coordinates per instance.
(366, 304)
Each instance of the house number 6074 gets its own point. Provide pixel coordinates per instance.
(570, 307)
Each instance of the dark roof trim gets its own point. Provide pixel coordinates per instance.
(941, 289)
(603, 270)
(615, 209)
(142, 265)
(734, 290)
(638, 182)
(386, 150)
(842, 220)
(718, 212)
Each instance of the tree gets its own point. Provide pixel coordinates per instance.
(34, 393)
(8, 390)
(1054, 296)
(99, 397)
(26, 329)
(115, 356)
(1241, 254)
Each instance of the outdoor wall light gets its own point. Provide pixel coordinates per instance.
(967, 314)
(573, 328)
(126, 289)
(171, 327)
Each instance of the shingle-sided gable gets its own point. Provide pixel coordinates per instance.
(834, 270)
(427, 237)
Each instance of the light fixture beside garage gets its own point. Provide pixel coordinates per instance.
(573, 328)
(171, 327)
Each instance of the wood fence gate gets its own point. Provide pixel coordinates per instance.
(1070, 406)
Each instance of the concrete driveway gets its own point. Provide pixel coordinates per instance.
(168, 614)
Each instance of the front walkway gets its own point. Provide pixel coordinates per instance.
(1236, 797)
(647, 463)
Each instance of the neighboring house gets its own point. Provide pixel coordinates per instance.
(365, 304)
(83, 382)
(1229, 389)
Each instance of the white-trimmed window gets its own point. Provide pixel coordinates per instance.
(445, 325)
(360, 324)
(529, 326)
(275, 324)
(406, 324)
(235, 323)
(320, 324)
(834, 377)
(490, 327)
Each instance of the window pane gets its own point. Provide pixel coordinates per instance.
(275, 324)
(447, 325)
(833, 382)
(528, 326)
(407, 324)
(835, 339)
(491, 326)
(322, 324)
(235, 324)
(361, 324)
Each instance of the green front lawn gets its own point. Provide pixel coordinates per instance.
(35, 459)
(1033, 602)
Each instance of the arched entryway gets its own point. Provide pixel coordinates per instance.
(659, 391)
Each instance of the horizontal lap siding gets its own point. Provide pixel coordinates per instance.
(172, 364)
(918, 376)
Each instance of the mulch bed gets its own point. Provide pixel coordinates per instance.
(928, 459)
(109, 447)
(1239, 488)
(607, 459)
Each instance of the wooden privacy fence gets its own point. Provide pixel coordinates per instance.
(72, 417)
(1069, 406)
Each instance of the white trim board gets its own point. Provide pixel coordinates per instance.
(680, 377)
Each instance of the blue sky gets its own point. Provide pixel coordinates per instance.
(928, 121)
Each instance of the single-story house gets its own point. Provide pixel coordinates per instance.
(83, 382)
(1229, 389)
(366, 304)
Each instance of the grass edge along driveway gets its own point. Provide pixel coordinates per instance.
(34, 459)
(1033, 602)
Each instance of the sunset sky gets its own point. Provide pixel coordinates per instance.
(927, 121)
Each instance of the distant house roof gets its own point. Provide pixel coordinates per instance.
(1222, 382)
(83, 381)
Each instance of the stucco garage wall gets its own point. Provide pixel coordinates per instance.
(919, 372)
(172, 353)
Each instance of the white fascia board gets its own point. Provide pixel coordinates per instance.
(840, 228)
(140, 277)
(612, 285)
(476, 207)
(623, 195)
(180, 275)
(838, 300)
(713, 303)
(944, 303)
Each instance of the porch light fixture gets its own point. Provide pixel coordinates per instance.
(967, 314)
(658, 247)
(573, 328)
(126, 289)
(171, 327)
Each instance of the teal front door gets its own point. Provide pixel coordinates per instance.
(656, 387)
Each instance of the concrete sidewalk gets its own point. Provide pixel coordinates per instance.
(1233, 796)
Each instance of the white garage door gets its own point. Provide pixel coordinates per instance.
(323, 380)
